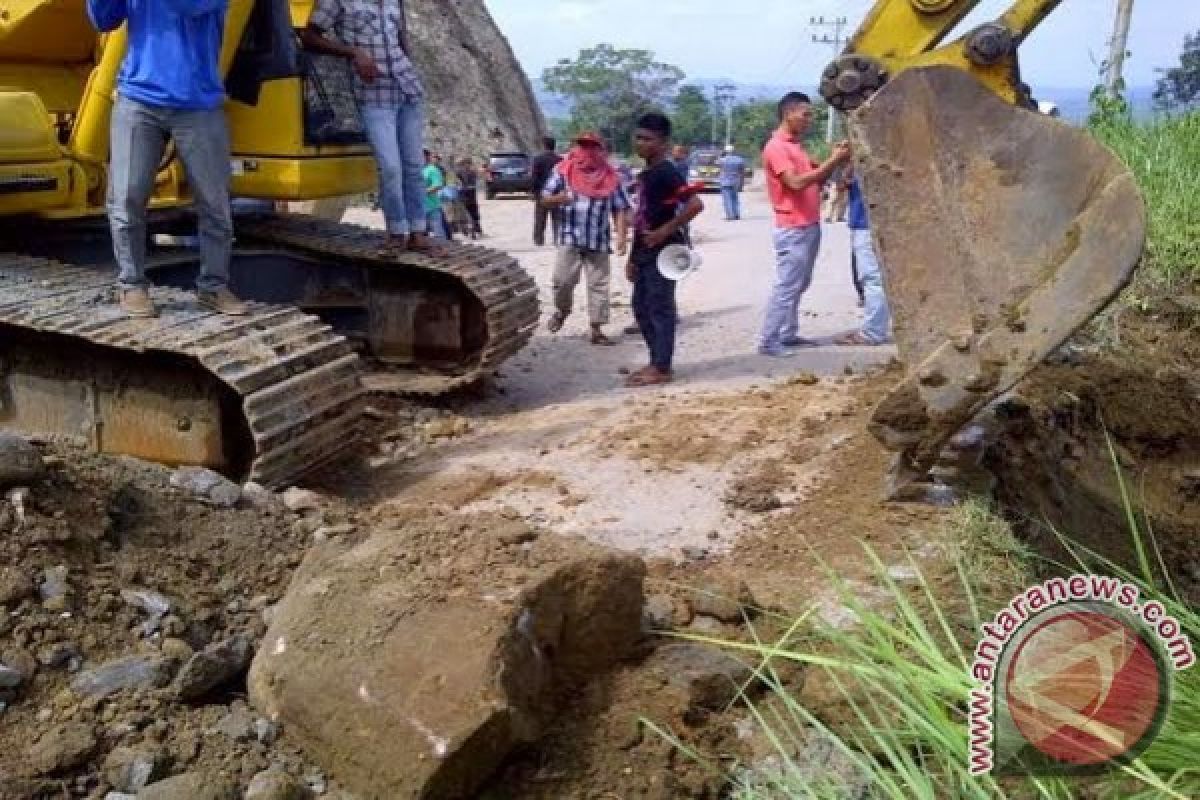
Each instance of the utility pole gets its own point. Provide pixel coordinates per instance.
(834, 36)
(723, 94)
(1119, 47)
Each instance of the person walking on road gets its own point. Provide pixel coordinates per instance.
(468, 179)
(589, 193)
(158, 100)
(543, 167)
(681, 158)
(662, 216)
(732, 179)
(877, 318)
(434, 182)
(374, 36)
(794, 185)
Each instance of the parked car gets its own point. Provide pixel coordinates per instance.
(508, 173)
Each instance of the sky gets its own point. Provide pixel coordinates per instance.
(769, 42)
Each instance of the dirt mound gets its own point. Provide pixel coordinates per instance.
(1052, 458)
(112, 582)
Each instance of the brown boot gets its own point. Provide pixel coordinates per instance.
(224, 302)
(137, 304)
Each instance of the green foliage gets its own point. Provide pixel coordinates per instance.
(693, 115)
(1164, 155)
(610, 88)
(903, 672)
(754, 122)
(1179, 87)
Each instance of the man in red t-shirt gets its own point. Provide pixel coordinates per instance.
(794, 185)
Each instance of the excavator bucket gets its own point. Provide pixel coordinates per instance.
(1000, 232)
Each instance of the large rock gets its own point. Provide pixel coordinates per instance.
(123, 674)
(709, 677)
(62, 748)
(213, 667)
(190, 786)
(209, 486)
(404, 680)
(479, 98)
(20, 462)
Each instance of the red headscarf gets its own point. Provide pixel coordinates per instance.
(586, 168)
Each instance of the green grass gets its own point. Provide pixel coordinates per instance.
(1164, 155)
(902, 673)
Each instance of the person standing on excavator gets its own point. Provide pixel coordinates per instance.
(794, 183)
(169, 88)
(374, 36)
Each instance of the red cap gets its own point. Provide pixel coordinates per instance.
(588, 137)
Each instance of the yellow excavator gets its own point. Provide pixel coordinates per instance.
(267, 397)
(1000, 231)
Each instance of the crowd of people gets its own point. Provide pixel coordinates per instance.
(585, 200)
(594, 205)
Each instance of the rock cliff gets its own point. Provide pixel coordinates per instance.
(480, 100)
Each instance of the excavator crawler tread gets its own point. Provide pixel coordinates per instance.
(299, 383)
(508, 294)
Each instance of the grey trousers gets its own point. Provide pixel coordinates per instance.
(795, 257)
(139, 137)
(568, 267)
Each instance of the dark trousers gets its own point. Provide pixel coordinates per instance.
(470, 202)
(654, 309)
(858, 283)
(540, 213)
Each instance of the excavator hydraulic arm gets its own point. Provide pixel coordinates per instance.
(1000, 231)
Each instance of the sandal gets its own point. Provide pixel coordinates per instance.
(647, 376)
(556, 322)
(599, 338)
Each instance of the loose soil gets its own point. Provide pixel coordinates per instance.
(1052, 459)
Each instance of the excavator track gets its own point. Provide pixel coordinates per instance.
(501, 297)
(266, 397)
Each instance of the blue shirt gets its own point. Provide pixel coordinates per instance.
(856, 216)
(174, 50)
(733, 168)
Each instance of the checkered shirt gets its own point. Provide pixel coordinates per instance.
(376, 27)
(586, 222)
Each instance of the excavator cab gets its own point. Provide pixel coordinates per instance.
(1001, 231)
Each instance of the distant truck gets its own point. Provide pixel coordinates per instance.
(703, 168)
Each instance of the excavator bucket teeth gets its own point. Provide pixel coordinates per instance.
(1000, 232)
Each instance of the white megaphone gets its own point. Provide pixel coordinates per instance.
(677, 261)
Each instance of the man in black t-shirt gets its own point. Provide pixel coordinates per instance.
(660, 221)
(543, 166)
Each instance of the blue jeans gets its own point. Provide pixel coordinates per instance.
(139, 135)
(435, 223)
(795, 257)
(877, 321)
(733, 202)
(654, 308)
(396, 136)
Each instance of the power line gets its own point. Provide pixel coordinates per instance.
(723, 96)
(834, 36)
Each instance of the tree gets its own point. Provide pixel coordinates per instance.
(693, 115)
(610, 88)
(754, 122)
(1179, 87)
